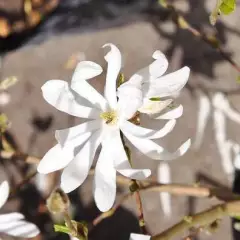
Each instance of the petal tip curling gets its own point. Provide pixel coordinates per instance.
(4, 192)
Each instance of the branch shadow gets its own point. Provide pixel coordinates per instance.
(188, 49)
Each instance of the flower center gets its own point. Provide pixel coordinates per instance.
(109, 117)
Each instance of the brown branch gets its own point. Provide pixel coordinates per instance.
(175, 189)
(146, 185)
(205, 218)
(141, 220)
(193, 191)
(22, 183)
(18, 155)
(212, 41)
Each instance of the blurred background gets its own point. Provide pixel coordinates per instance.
(44, 39)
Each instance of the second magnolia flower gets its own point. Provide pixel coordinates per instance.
(109, 115)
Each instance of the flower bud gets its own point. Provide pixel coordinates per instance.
(58, 202)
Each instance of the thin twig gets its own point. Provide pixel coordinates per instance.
(175, 189)
(149, 184)
(141, 220)
(22, 183)
(210, 40)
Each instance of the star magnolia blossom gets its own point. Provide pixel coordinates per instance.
(152, 88)
(13, 223)
(77, 145)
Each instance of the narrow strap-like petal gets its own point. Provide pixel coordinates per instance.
(141, 132)
(4, 193)
(10, 217)
(151, 72)
(19, 228)
(105, 180)
(65, 135)
(129, 101)
(58, 94)
(59, 157)
(77, 171)
(114, 60)
(121, 162)
(135, 236)
(154, 107)
(55, 159)
(86, 70)
(172, 114)
(154, 151)
(167, 85)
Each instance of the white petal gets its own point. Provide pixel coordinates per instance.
(42, 182)
(105, 180)
(135, 236)
(73, 238)
(58, 94)
(65, 135)
(121, 162)
(141, 132)
(203, 117)
(59, 156)
(167, 85)
(165, 178)
(86, 70)
(77, 171)
(20, 228)
(172, 114)
(158, 67)
(55, 159)
(138, 174)
(153, 71)
(154, 151)
(130, 100)
(5, 98)
(113, 59)
(154, 107)
(4, 193)
(10, 217)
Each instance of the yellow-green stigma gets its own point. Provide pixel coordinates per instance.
(109, 117)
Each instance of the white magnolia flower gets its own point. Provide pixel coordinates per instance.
(13, 223)
(135, 236)
(77, 145)
(149, 85)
